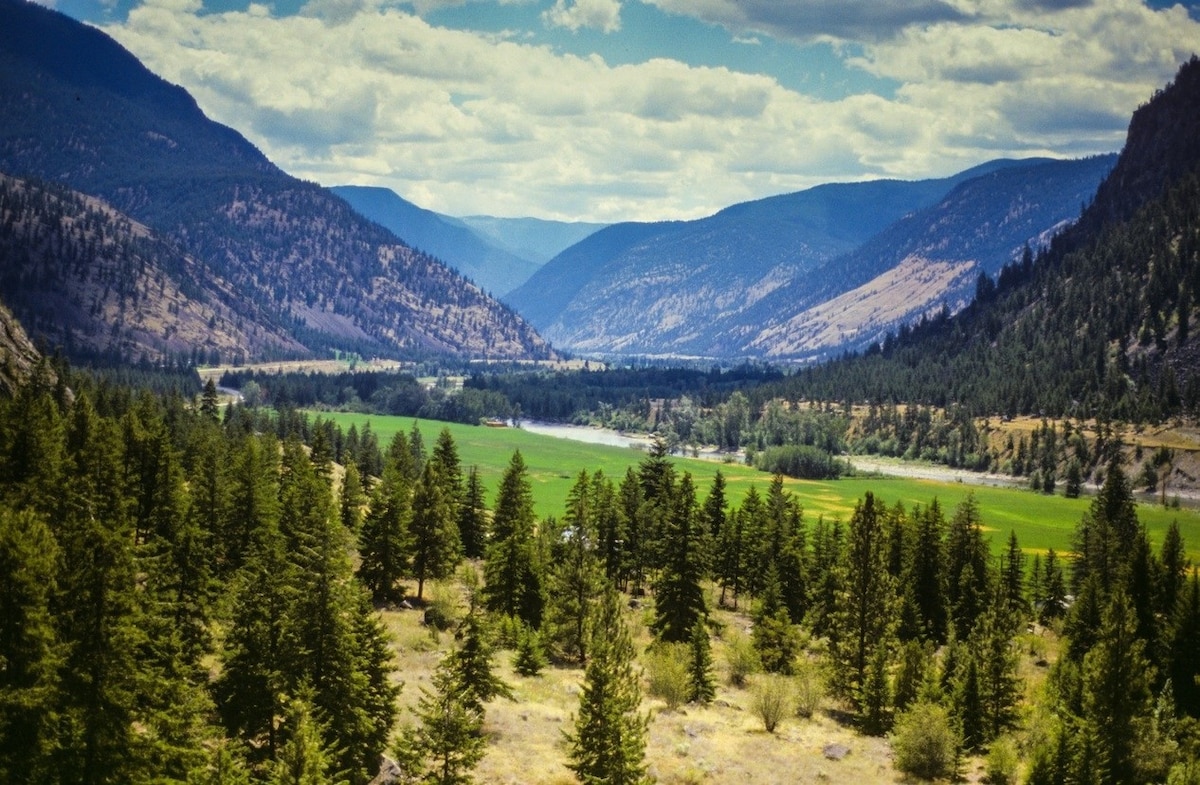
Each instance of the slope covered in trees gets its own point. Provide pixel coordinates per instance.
(1097, 325)
(79, 110)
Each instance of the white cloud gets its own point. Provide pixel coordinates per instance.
(471, 123)
(604, 15)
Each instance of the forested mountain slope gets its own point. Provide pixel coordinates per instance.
(494, 269)
(1100, 324)
(708, 287)
(77, 109)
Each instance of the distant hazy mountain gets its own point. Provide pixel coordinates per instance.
(696, 287)
(496, 269)
(535, 239)
(298, 271)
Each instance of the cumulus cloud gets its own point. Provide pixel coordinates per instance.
(367, 92)
(805, 21)
(604, 15)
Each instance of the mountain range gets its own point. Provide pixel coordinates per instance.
(276, 266)
(499, 254)
(133, 226)
(798, 275)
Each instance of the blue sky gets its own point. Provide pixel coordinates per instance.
(653, 109)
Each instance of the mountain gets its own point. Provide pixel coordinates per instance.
(706, 287)
(928, 259)
(1101, 324)
(302, 272)
(18, 355)
(535, 239)
(494, 268)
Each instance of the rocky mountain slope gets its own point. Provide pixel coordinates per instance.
(707, 288)
(303, 272)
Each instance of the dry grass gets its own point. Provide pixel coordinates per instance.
(721, 743)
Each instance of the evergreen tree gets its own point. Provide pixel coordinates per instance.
(384, 540)
(703, 688)
(472, 518)
(1184, 648)
(449, 740)
(29, 652)
(773, 636)
(1012, 576)
(877, 695)
(968, 578)
(1116, 692)
(910, 676)
(512, 575)
(608, 743)
(865, 603)
(714, 514)
(471, 664)
(679, 595)
(353, 499)
(576, 579)
(433, 529)
(530, 657)
(303, 759)
(992, 648)
(1054, 589)
(925, 582)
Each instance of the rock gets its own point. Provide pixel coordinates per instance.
(835, 751)
(389, 772)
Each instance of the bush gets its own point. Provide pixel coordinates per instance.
(808, 689)
(771, 700)
(925, 742)
(667, 674)
(802, 461)
(1002, 762)
(741, 658)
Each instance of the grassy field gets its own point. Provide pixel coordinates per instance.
(1040, 521)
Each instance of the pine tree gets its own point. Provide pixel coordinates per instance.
(303, 759)
(968, 575)
(877, 695)
(350, 506)
(608, 743)
(384, 539)
(999, 683)
(472, 518)
(575, 580)
(679, 595)
(1184, 648)
(926, 578)
(703, 688)
(471, 664)
(1116, 692)
(773, 636)
(29, 652)
(1012, 577)
(512, 575)
(530, 657)
(433, 529)
(449, 740)
(865, 604)
(1054, 589)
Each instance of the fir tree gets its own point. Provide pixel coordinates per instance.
(865, 604)
(383, 541)
(926, 577)
(471, 664)
(303, 759)
(876, 698)
(350, 506)
(530, 657)
(1184, 648)
(575, 580)
(449, 741)
(608, 743)
(512, 574)
(773, 636)
(472, 517)
(679, 596)
(703, 688)
(29, 652)
(433, 529)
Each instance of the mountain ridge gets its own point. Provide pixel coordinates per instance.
(299, 261)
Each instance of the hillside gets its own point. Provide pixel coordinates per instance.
(706, 288)
(77, 109)
(925, 260)
(18, 355)
(536, 239)
(1099, 325)
(493, 268)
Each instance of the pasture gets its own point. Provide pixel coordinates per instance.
(1040, 521)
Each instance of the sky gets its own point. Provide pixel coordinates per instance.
(611, 110)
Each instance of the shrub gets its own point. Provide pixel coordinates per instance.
(771, 700)
(808, 689)
(667, 674)
(1002, 762)
(741, 658)
(925, 742)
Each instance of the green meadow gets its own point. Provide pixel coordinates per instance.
(1040, 521)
